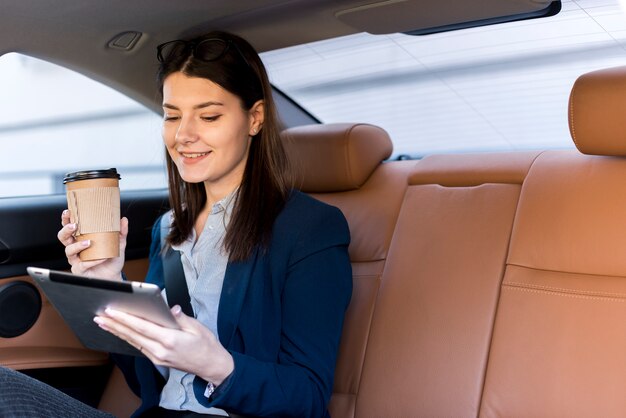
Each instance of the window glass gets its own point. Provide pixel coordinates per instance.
(54, 121)
(500, 87)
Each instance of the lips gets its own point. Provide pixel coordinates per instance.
(193, 154)
(190, 158)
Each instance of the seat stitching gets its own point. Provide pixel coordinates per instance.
(565, 294)
(346, 143)
(571, 115)
(551, 270)
(563, 289)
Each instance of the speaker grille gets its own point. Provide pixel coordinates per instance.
(20, 306)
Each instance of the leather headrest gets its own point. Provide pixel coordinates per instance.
(597, 112)
(335, 157)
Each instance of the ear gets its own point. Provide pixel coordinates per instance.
(257, 116)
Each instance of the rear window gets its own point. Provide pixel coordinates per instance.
(501, 87)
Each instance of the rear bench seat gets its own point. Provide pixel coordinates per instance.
(429, 340)
(484, 285)
(475, 320)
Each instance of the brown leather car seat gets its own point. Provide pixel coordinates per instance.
(559, 343)
(341, 165)
(429, 339)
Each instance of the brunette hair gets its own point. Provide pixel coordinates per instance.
(266, 179)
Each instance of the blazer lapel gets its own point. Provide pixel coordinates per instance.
(236, 281)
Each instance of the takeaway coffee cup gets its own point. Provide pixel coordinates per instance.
(93, 198)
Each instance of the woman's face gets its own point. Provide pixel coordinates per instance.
(207, 132)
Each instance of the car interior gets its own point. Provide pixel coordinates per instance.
(487, 284)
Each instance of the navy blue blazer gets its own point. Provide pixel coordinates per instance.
(280, 316)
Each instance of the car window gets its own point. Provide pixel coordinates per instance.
(54, 121)
(500, 87)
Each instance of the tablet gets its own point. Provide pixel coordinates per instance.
(78, 299)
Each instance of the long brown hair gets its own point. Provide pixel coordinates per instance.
(266, 179)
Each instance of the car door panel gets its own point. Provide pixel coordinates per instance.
(49, 349)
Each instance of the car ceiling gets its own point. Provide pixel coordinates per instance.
(75, 33)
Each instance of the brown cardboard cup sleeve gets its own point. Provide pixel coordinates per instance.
(96, 212)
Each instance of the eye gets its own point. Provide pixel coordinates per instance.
(169, 118)
(210, 118)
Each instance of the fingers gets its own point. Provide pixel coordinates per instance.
(66, 234)
(65, 217)
(73, 247)
(123, 234)
(124, 332)
(124, 227)
(170, 347)
(72, 250)
(137, 325)
(81, 267)
(154, 340)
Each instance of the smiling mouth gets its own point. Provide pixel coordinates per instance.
(194, 155)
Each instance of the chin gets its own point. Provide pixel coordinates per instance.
(192, 179)
(189, 176)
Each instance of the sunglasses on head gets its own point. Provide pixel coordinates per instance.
(206, 50)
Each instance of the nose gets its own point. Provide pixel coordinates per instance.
(187, 131)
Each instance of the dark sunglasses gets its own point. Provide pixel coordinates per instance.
(206, 50)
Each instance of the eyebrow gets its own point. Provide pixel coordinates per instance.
(198, 106)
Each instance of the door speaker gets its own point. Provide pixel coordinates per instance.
(20, 306)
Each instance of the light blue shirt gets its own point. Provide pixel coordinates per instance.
(204, 262)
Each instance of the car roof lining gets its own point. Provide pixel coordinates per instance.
(64, 32)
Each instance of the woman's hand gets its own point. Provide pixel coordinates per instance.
(108, 268)
(193, 348)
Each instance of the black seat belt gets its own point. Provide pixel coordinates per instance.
(175, 283)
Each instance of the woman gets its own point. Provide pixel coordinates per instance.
(266, 267)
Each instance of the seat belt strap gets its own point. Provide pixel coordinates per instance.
(173, 273)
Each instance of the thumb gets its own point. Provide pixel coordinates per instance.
(123, 234)
(183, 320)
(124, 227)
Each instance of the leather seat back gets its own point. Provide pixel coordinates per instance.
(559, 339)
(429, 339)
(341, 165)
